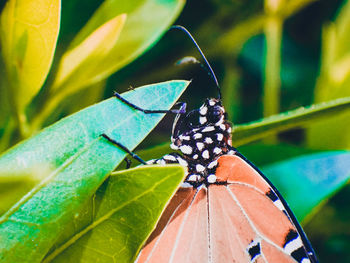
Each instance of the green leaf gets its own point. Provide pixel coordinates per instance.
(147, 21)
(120, 217)
(79, 160)
(263, 154)
(80, 64)
(300, 117)
(29, 31)
(14, 186)
(307, 181)
(333, 82)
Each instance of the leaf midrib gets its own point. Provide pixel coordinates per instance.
(101, 220)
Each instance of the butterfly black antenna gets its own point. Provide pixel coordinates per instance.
(212, 74)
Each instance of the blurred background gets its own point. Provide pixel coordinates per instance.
(236, 37)
(269, 56)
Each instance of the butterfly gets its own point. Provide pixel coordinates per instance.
(226, 210)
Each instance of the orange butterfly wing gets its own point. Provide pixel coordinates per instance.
(240, 220)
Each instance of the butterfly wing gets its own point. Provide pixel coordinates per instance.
(182, 229)
(241, 219)
(266, 227)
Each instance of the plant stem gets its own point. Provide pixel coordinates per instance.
(272, 81)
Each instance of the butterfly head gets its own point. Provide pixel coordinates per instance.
(212, 113)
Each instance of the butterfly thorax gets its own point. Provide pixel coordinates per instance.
(202, 136)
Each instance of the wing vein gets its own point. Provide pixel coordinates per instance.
(171, 259)
(251, 223)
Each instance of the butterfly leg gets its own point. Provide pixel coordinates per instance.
(128, 162)
(181, 110)
(133, 155)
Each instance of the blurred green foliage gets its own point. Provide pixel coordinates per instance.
(270, 56)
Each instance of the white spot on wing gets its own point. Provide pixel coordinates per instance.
(195, 156)
(222, 126)
(293, 245)
(279, 204)
(211, 103)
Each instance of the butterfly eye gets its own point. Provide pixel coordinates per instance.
(214, 115)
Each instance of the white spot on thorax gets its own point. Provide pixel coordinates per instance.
(192, 178)
(208, 140)
(200, 145)
(211, 178)
(203, 110)
(220, 121)
(186, 149)
(211, 103)
(197, 136)
(217, 150)
(219, 136)
(231, 152)
(222, 126)
(202, 120)
(212, 164)
(186, 185)
(174, 147)
(182, 161)
(208, 129)
(169, 158)
(161, 162)
(185, 138)
(200, 168)
(205, 154)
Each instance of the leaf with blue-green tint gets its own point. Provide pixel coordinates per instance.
(79, 160)
(308, 180)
